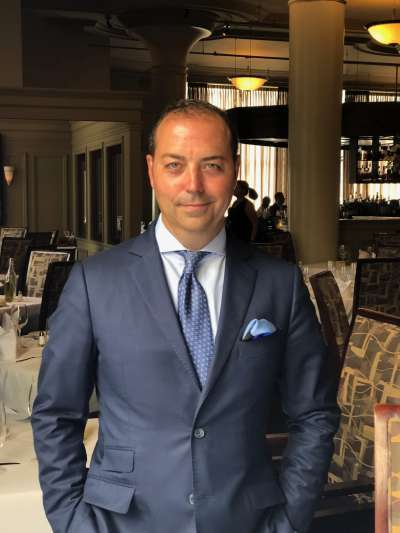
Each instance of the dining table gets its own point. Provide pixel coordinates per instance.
(20, 377)
(21, 508)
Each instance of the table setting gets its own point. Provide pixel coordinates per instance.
(344, 273)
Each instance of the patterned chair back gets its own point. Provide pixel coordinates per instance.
(370, 375)
(377, 285)
(332, 313)
(387, 468)
(39, 261)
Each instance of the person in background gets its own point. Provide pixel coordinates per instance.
(242, 217)
(265, 222)
(279, 207)
(263, 210)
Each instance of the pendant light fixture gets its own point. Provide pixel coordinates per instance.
(247, 82)
(386, 32)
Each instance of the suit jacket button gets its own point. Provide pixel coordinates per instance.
(191, 498)
(199, 433)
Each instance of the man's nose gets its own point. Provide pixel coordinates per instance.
(194, 182)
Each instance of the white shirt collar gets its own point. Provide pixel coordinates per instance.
(168, 243)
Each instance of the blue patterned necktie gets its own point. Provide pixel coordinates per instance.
(194, 315)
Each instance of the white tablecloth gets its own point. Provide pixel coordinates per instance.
(21, 509)
(21, 379)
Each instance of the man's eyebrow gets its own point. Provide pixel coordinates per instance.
(174, 156)
(213, 157)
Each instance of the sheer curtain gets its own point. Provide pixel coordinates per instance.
(263, 167)
(386, 190)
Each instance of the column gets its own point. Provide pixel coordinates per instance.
(169, 47)
(316, 30)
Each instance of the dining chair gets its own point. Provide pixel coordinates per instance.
(42, 238)
(15, 248)
(388, 251)
(377, 285)
(369, 376)
(386, 239)
(387, 468)
(284, 243)
(274, 250)
(332, 313)
(56, 277)
(36, 271)
(18, 233)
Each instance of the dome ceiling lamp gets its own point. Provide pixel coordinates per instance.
(247, 82)
(386, 32)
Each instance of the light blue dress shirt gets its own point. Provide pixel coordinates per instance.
(211, 271)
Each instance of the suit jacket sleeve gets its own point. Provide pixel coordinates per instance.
(61, 407)
(308, 393)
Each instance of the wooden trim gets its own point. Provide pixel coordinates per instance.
(379, 316)
(383, 413)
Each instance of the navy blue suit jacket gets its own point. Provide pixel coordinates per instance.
(116, 329)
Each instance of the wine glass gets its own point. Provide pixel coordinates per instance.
(23, 318)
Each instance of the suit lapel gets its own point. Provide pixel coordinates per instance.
(239, 282)
(148, 275)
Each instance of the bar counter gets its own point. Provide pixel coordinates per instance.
(358, 232)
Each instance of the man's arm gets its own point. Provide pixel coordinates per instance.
(309, 399)
(60, 410)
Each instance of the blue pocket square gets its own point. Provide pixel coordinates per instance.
(258, 328)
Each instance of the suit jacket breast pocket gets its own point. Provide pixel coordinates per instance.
(262, 347)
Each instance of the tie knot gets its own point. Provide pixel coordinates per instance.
(192, 259)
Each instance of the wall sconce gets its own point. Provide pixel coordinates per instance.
(8, 174)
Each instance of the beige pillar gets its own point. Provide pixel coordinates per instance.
(316, 30)
(169, 48)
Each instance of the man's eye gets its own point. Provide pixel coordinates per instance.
(213, 166)
(172, 166)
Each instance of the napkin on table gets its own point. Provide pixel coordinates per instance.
(8, 339)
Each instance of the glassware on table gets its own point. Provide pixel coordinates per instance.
(31, 395)
(331, 266)
(23, 318)
(3, 419)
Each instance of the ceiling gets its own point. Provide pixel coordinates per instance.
(265, 21)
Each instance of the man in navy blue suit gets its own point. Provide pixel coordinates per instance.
(185, 334)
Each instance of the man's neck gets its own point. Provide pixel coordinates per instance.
(191, 240)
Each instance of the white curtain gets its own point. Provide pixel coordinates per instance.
(263, 167)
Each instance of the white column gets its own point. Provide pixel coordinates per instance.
(316, 30)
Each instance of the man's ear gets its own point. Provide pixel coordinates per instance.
(150, 161)
(237, 166)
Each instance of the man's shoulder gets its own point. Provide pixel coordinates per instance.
(118, 254)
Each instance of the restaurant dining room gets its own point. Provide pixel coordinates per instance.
(311, 89)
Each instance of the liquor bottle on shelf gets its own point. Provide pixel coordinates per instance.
(10, 284)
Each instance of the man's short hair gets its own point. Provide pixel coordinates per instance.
(194, 107)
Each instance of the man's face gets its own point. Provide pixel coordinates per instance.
(193, 175)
